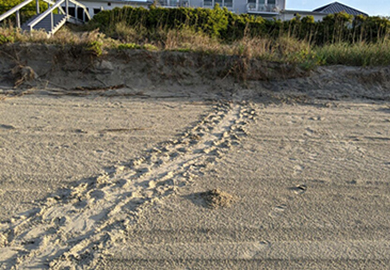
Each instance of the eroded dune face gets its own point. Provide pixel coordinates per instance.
(114, 167)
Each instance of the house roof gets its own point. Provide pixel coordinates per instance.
(337, 7)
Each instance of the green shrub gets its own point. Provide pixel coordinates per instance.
(5, 39)
(230, 27)
(150, 47)
(129, 46)
(215, 22)
(95, 47)
(133, 46)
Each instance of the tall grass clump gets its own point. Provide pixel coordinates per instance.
(356, 54)
(187, 39)
(229, 27)
(63, 37)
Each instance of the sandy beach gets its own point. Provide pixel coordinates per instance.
(118, 178)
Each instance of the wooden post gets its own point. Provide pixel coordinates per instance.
(51, 22)
(18, 19)
(67, 7)
(37, 3)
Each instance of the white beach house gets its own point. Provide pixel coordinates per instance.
(264, 8)
(79, 11)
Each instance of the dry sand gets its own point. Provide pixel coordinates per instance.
(121, 178)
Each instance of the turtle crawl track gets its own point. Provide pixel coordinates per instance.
(74, 228)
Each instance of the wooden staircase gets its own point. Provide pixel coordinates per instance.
(45, 24)
(47, 21)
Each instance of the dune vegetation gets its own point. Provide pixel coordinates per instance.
(337, 39)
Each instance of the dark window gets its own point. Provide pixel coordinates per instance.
(86, 17)
(96, 11)
(80, 13)
(109, 3)
(71, 11)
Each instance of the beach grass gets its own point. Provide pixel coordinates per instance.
(284, 48)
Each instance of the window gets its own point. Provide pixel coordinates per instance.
(208, 3)
(228, 3)
(96, 11)
(221, 3)
(72, 11)
(80, 13)
(262, 5)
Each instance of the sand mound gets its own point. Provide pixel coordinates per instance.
(216, 198)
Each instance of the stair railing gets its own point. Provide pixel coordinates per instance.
(17, 8)
(86, 13)
(44, 14)
(52, 8)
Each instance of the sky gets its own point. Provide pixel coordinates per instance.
(372, 7)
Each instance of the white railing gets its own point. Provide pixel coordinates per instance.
(211, 4)
(17, 8)
(175, 3)
(52, 8)
(17, 11)
(83, 7)
(43, 15)
(261, 7)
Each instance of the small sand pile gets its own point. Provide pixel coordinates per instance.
(216, 198)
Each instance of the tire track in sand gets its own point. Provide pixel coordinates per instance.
(73, 230)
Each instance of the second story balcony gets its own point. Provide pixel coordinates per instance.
(264, 6)
(175, 3)
(255, 7)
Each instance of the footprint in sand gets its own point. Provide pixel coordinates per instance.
(299, 189)
(277, 211)
(6, 127)
(310, 132)
(298, 169)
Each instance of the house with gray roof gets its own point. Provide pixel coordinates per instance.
(337, 7)
(321, 12)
